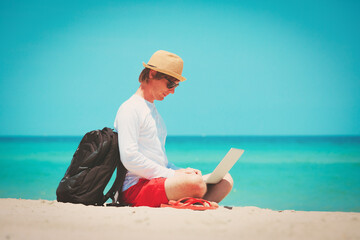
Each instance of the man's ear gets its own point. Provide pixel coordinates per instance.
(152, 73)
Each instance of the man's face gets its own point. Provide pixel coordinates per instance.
(159, 87)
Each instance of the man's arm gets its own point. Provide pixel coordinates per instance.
(128, 125)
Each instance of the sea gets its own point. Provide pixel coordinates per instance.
(314, 173)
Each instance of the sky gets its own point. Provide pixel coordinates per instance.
(252, 67)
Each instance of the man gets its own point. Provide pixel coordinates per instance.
(151, 180)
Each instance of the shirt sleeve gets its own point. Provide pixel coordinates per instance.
(173, 166)
(127, 124)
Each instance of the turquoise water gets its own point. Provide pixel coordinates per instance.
(300, 173)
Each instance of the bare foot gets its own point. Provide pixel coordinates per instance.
(214, 204)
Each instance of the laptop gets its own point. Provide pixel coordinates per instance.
(224, 166)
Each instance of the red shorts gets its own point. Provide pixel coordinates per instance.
(150, 193)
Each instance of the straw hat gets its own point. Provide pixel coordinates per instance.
(168, 63)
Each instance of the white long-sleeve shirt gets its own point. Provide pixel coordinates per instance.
(142, 135)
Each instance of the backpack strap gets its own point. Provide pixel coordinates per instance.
(116, 189)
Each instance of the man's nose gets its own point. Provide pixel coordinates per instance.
(172, 90)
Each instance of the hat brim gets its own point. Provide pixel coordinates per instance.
(175, 75)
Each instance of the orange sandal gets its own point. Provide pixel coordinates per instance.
(190, 203)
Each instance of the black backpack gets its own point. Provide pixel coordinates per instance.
(91, 168)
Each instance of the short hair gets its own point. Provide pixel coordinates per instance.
(144, 76)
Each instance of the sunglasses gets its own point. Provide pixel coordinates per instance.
(171, 83)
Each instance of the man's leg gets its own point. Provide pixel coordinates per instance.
(193, 185)
(217, 192)
(185, 185)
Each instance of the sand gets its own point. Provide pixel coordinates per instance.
(42, 219)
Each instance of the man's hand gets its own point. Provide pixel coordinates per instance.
(189, 171)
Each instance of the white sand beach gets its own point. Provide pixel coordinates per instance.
(42, 219)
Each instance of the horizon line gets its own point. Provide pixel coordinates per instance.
(200, 135)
